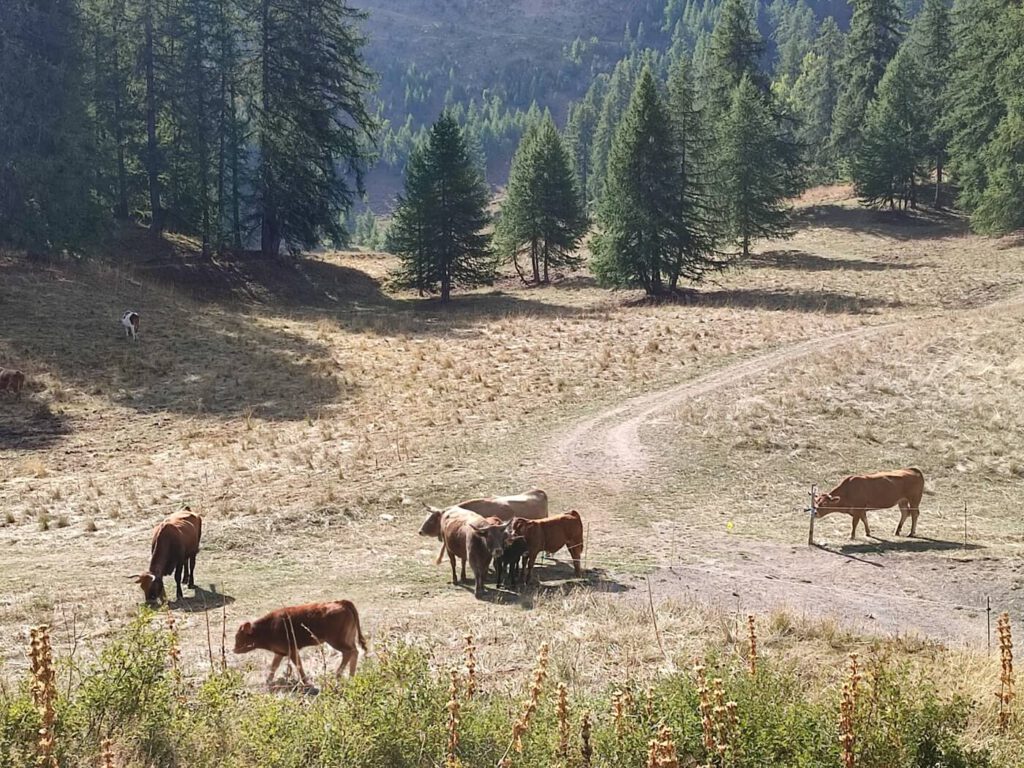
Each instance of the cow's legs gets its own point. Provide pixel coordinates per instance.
(278, 658)
(177, 580)
(293, 655)
(529, 566)
(349, 657)
(864, 519)
(192, 572)
(914, 512)
(576, 552)
(451, 558)
(463, 569)
(904, 514)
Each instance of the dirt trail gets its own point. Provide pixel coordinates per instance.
(606, 449)
(902, 586)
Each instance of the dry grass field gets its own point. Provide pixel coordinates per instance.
(308, 413)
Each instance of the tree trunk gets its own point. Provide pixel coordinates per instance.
(535, 260)
(270, 236)
(938, 181)
(152, 148)
(202, 148)
(236, 205)
(121, 210)
(545, 253)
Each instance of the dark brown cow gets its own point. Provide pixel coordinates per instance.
(857, 494)
(550, 535)
(11, 380)
(286, 631)
(510, 562)
(468, 536)
(174, 548)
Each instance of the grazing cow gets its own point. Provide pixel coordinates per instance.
(516, 549)
(468, 536)
(286, 631)
(11, 380)
(857, 494)
(130, 321)
(550, 535)
(531, 505)
(175, 544)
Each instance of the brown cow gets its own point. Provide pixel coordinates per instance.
(174, 548)
(11, 380)
(287, 630)
(531, 505)
(468, 536)
(857, 494)
(551, 535)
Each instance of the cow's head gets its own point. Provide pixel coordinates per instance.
(245, 638)
(494, 537)
(432, 525)
(826, 503)
(152, 586)
(518, 526)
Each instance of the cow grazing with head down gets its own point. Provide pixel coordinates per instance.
(286, 631)
(857, 494)
(130, 323)
(174, 548)
(11, 380)
(550, 535)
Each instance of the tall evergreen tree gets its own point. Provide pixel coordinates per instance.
(984, 35)
(754, 177)
(931, 36)
(45, 142)
(645, 220)
(736, 51)
(438, 225)
(875, 33)
(813, 101)
(616, 99)
(543, 213)
(580, 130)
(890, 157)
(311, 121)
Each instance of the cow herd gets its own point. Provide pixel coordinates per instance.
(510, 531)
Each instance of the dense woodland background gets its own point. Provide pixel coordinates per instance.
(262, 122)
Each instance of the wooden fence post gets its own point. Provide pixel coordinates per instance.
(810, 531)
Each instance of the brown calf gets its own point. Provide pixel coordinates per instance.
(174, 548)
(857, 494)
(11, 380)
(550, 535)
(287, 630)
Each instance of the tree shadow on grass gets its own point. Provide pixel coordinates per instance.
(811, 262)
(923, 223)
(226, 364)
(829, 302)
(28, 424)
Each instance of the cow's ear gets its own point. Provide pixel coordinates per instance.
(246, 629)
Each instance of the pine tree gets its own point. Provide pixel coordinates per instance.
(875, 32)
(45, 141)
(543, 213)
(694, 224)
(736, 51)
(616, 100)
(813, 101)
(891, 155)
(795, 35)
(649, 235)
(754, 177)
(437, 228)
(580, 129)
(931, 36)
(311, 121)
(984, 35)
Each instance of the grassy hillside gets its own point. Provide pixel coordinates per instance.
(308, 412)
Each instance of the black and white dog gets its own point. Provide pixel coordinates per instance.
(130, 321)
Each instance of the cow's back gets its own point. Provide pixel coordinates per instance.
(532, 505)
(880, 490)
(456, 527)
(179, 535)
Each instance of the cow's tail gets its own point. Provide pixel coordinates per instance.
(359, 629)
(441, 553)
